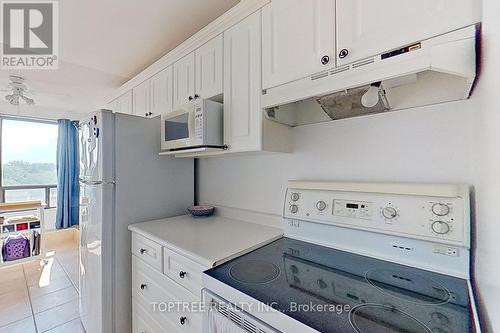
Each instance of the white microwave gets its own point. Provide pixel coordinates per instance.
(198, 124)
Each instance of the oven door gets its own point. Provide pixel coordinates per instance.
(177, 129)
(218, 309)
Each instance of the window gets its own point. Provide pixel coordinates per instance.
(28, 154)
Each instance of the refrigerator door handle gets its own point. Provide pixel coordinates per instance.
(95, 182)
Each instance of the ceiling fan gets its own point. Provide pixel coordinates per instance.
(17, 90)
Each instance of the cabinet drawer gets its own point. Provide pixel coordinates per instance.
(164, 300)
(142, 321)
(148, 251)
(184, 271)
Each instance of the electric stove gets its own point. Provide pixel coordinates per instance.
(336, 291)
(349, 264)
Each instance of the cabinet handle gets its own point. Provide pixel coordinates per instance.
(143, 286)
(143, 251)
(146, 114)
(190, 98)
(182, 274)
(196, 96)
(182, 320)
(343, 53)
(325, 60)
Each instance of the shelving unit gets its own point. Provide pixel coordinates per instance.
(11, 224)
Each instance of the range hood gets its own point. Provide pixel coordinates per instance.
(437, 70)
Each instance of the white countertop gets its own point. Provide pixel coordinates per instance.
(209, 241)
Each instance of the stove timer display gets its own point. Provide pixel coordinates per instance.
(354, 209)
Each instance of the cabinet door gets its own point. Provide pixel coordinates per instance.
(184, 80)
(126, 105)
(242, 88)
(122, 104)
(297, 39)
(141, 99)
(209, 68)
(161, 92)
(113, 105)
(367, 28)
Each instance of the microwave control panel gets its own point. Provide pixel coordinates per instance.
(425, 217)
(198, 123)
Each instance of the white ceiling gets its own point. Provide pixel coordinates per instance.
(103, 44)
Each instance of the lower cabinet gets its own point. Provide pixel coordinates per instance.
(160, 303)
(142, 322)
(182, 270)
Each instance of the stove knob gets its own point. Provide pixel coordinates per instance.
(294, 209)
(389, 212)
(321, 205)
(295, 196)
(441, 209)
(440, 318)
(440, 227)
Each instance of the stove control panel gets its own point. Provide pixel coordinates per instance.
(414, 213)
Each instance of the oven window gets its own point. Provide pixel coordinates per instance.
(177, 127)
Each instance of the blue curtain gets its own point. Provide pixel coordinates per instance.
(68, 188)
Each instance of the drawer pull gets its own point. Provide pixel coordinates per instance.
(182, 274)
(143, 286)
(143, 251)
(182, 320)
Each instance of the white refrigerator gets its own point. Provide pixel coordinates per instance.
(123, 180)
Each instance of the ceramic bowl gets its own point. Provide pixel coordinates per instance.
(201, 210)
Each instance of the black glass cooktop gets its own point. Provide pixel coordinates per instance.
(336, 291)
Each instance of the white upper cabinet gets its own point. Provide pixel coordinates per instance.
(209, 62)
(298, 39)
(184, 76)
(142, 99)
(122, 104)
(367, 28)
(242, 85)
(162, 92)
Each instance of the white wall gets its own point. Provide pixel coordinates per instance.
(429, 144)
(487, 166)
(453, 142)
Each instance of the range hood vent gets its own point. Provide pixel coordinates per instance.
(347, 104)
(441, 69)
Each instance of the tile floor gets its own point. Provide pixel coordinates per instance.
(42, 296)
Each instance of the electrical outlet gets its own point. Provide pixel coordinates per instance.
(446, 250)
(451, 251)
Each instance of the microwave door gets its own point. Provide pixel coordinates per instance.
(176, 130)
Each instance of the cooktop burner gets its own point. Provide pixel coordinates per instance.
(409, 286)
(376, 318)
(254, 271)
(336, 291)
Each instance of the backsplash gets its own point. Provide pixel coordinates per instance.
(430, 144)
